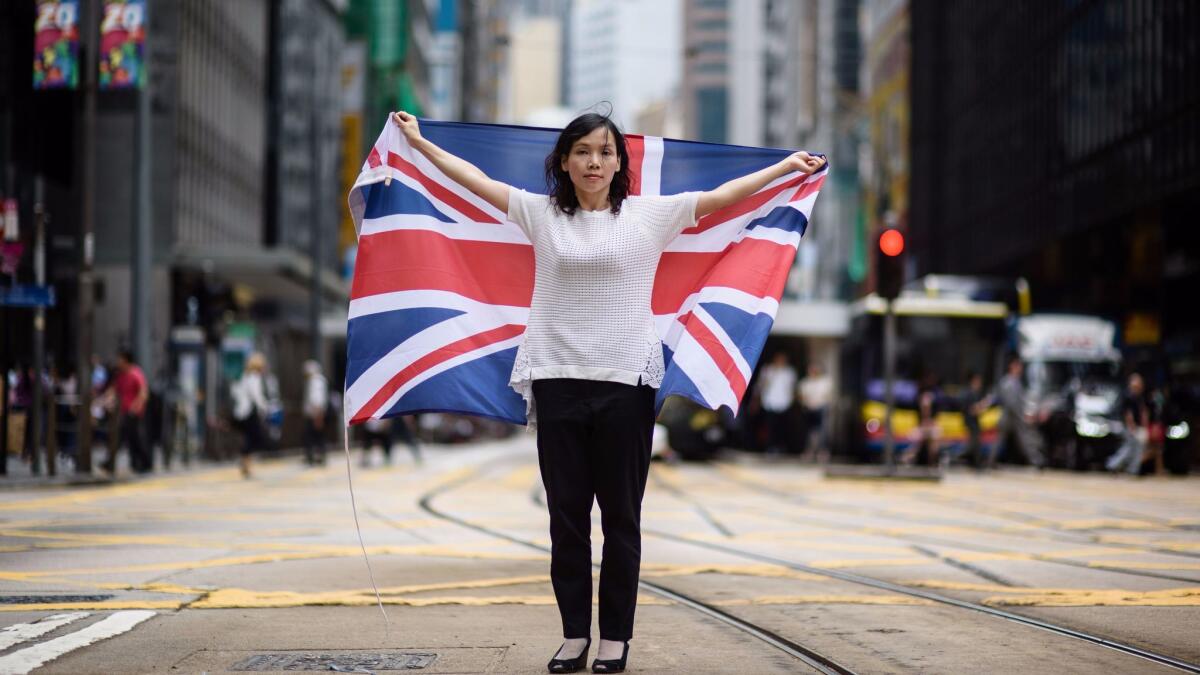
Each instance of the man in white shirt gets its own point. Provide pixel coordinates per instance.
(816, 390)
(316, 402)
(777, 394)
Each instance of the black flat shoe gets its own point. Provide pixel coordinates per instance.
(570, 665)
(611, 665)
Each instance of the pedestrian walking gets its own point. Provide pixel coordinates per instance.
(1015, 421)
(591, 357)
(316, 409)
(250, 408)
(1135, 415)
(777, 394)
(132, 393)
(816, 393)
(375, 431)
(406, 434)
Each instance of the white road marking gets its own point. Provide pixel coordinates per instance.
(25, 660)
(23, 632)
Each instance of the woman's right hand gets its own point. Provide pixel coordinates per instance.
(408, 125)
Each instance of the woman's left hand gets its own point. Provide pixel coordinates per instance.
(804, 162)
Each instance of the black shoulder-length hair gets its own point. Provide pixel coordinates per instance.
(558, 182)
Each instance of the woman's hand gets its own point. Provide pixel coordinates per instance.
(408, 125)
(804, 162)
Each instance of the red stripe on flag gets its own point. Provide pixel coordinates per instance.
(410, 260)
(744, 206)
(808, 189)
(636, 146)
(716, 351)
(755, 266)
(439, 191)
(373, 159)
(463, 346)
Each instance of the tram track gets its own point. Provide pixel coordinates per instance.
(809, 656)
(814, 659)
(880, 584)
(916, 540)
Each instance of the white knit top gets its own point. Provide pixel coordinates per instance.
(590, 318)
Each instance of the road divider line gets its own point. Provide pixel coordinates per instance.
(23, 632)
(25, 660)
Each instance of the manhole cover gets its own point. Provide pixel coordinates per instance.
(43, 599)
(343, 663)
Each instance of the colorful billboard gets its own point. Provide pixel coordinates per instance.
(122, 39)
(56, 45)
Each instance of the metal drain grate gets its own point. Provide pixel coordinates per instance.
(343, 663)
(46, 599)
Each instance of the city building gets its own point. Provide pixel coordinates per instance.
(624, 54)
(1059, 142)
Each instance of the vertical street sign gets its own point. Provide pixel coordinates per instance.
(56, 45)
(122, 39)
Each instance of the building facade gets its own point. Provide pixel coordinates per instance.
(625, 54)
(1097, 101)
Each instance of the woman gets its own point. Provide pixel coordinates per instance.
(250, 408)
(591, 357)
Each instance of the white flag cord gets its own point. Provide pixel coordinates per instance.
(354, 508)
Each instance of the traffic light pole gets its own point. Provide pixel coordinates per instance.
(889, 376)
(83, 353)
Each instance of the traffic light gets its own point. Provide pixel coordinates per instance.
(889, 264)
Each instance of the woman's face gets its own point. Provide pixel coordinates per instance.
(592, 161)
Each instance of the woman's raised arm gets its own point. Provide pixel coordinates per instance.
(740, 188)
(456, 168)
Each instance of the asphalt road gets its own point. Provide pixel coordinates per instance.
(752, 566)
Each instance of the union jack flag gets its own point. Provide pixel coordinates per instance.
(443, 282)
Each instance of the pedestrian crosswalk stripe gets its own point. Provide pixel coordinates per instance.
(25, 660)
(23, 632)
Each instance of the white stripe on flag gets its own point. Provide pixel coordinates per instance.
(504, 233)
(388, 302)
(652, 157)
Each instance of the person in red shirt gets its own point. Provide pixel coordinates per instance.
(132, 393)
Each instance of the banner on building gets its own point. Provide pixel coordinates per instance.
(122, 39)
(354, 88)
(56, 45)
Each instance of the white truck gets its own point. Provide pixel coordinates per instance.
(1073, 377)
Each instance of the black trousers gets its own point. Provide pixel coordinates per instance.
(314, 442)
(593, 441)
(130, 431)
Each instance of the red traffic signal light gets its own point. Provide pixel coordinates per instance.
(889, 264)
(891, 242)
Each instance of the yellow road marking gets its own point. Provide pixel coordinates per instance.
(240, 598)
(1109, 524)
(870, 562)
(106, 604)
(1135, 565)
(762, 570)
(329, 552)
(825, 600)
(1172, 597)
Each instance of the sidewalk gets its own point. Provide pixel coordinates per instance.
(21, 477)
